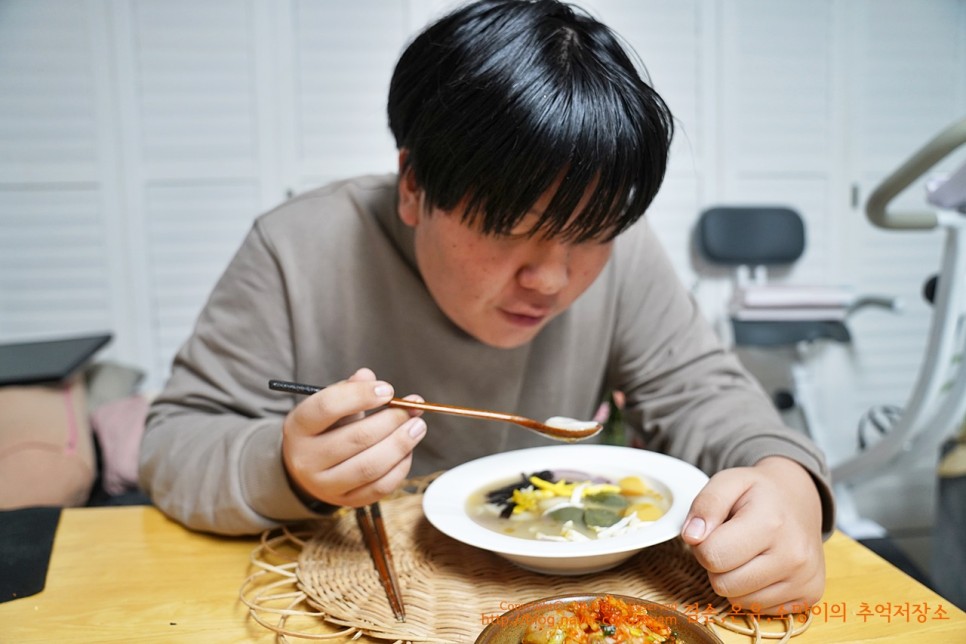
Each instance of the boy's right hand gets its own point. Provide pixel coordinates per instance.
(336, 453)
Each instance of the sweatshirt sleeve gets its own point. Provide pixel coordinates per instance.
(687, 395)
(211, 454)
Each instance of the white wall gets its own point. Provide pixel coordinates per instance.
(138, 139)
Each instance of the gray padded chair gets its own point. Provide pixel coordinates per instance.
(762, 236)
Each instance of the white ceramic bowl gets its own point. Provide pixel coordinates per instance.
(445, 500)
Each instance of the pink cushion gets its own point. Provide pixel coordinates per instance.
(119, 426)
(46, 449)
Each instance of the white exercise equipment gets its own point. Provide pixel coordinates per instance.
(767, 317)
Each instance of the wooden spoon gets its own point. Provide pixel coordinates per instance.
(557, 427)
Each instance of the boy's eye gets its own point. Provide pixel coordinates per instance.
(520, 230)
(525, 227)
(515, 233)
(518, 234)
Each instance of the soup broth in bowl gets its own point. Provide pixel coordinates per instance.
(567, 505)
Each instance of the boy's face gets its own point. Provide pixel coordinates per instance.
(501, 289)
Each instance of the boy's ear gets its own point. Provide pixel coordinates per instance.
(410, 201)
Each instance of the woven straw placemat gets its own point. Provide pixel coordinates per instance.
(324, 576)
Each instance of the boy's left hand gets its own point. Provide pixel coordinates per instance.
(758, 532)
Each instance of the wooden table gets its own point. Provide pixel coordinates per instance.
(128, 574)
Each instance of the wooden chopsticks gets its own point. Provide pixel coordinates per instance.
(374, 535)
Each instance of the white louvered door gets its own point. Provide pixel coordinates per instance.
(139, 139)
(56, 270)
(190, 86)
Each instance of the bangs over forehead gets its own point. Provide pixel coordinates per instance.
(528, 97)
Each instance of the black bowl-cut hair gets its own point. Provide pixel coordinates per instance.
(499, 100)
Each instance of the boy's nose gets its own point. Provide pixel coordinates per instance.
(548, 271)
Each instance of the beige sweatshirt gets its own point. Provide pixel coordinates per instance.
(327, 283)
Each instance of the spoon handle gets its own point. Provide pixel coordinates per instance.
(455, 410)
(308, 390)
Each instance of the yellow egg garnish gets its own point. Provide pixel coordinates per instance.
(633, 485)
(646, 511)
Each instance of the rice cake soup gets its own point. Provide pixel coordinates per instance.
(568, 506)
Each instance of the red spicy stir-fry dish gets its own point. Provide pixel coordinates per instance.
(605, 620)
